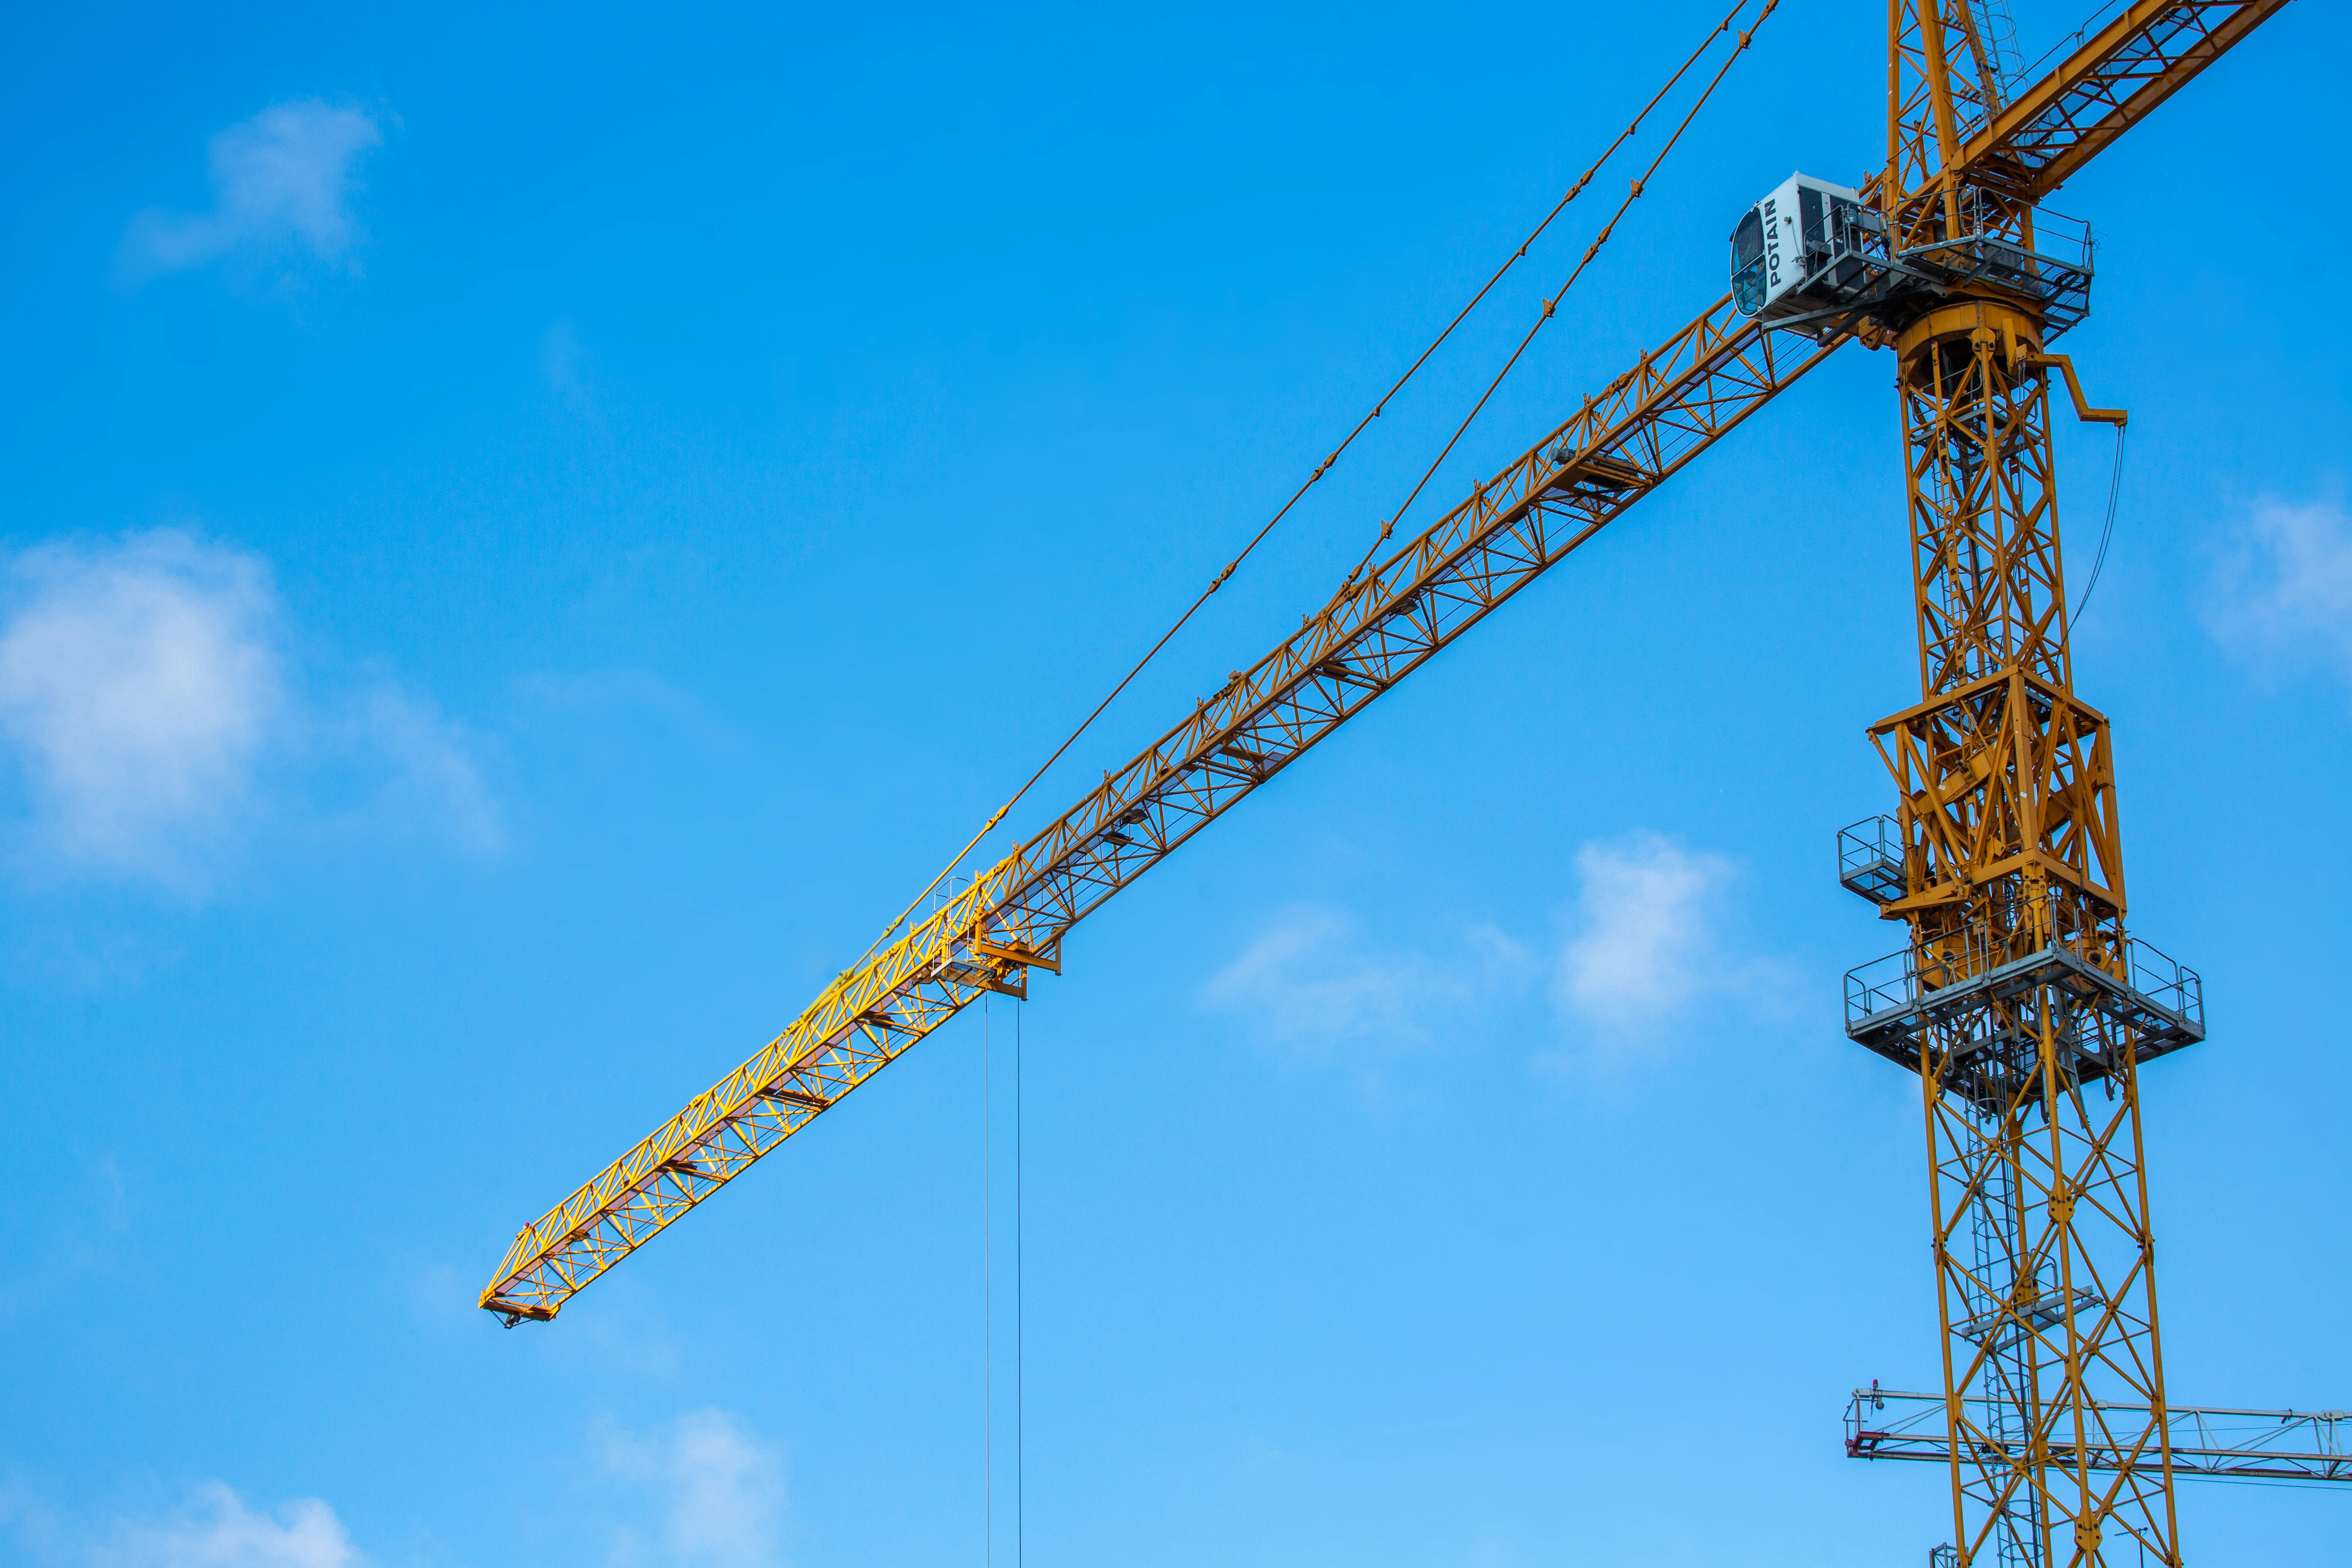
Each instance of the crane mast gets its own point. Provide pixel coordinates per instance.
(2022, 1001)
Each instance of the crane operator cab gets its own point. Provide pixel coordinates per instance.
(1801, 251)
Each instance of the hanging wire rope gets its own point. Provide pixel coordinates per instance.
(2030, 73)
(1551, 304)
(1020, 1313)
(1715, 33)
(987, 1301)
(2107, 529)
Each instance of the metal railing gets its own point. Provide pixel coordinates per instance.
(1870, 859)
(1903, 979)
(2208, 1443)
(2165, 981)
(1855, 267)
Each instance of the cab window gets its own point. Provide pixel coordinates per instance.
(1748, 263)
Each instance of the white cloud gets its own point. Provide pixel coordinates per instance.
(1313, 980)
(2285, 587)
(1645, 942)
(1646, 939)
(220, 1531)
(138, 686)
(214, 1530)
(721, 1491)
(280, 180)
(149, 706)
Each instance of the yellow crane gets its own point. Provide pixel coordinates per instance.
(2020, 1001)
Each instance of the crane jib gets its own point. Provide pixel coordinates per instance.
(1642, 428)
(1376, 631)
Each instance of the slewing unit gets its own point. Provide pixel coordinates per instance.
(1817, 257)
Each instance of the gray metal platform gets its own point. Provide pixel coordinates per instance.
(1892, 1002)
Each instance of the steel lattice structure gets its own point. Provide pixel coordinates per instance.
(2021, 1000)
(1640, 431)
(2206, 1444)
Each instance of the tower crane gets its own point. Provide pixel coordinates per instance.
(2020, 1000)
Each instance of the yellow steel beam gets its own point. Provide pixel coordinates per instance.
(2064, 364)
(2146, 54)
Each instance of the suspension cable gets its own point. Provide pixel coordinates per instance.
(1551, 304)
(1316, 478)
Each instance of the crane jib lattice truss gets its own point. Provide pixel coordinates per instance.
(1012, 917)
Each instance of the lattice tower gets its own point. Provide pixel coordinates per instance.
(2027, 1010)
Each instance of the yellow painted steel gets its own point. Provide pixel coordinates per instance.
(2083, 409)
(1379, 628)
(2057, 1432)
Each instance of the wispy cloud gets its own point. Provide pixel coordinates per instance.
(721, 1491)
(1642, 948)
(139, 683)
(1653, 942)
(1645, 941)
(1315, 980)
(430, 772)
(218, 1531)
(89, 1212)
(149, 706)
(702, 1491)
(282, 181)
(213, 1529)
(2283, 586)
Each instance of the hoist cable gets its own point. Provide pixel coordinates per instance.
(987, 1296)
(2106, 529)
(1020, 1314)
(1316, 478)
(1551, 304)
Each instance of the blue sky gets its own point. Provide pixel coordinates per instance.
(527, 538)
